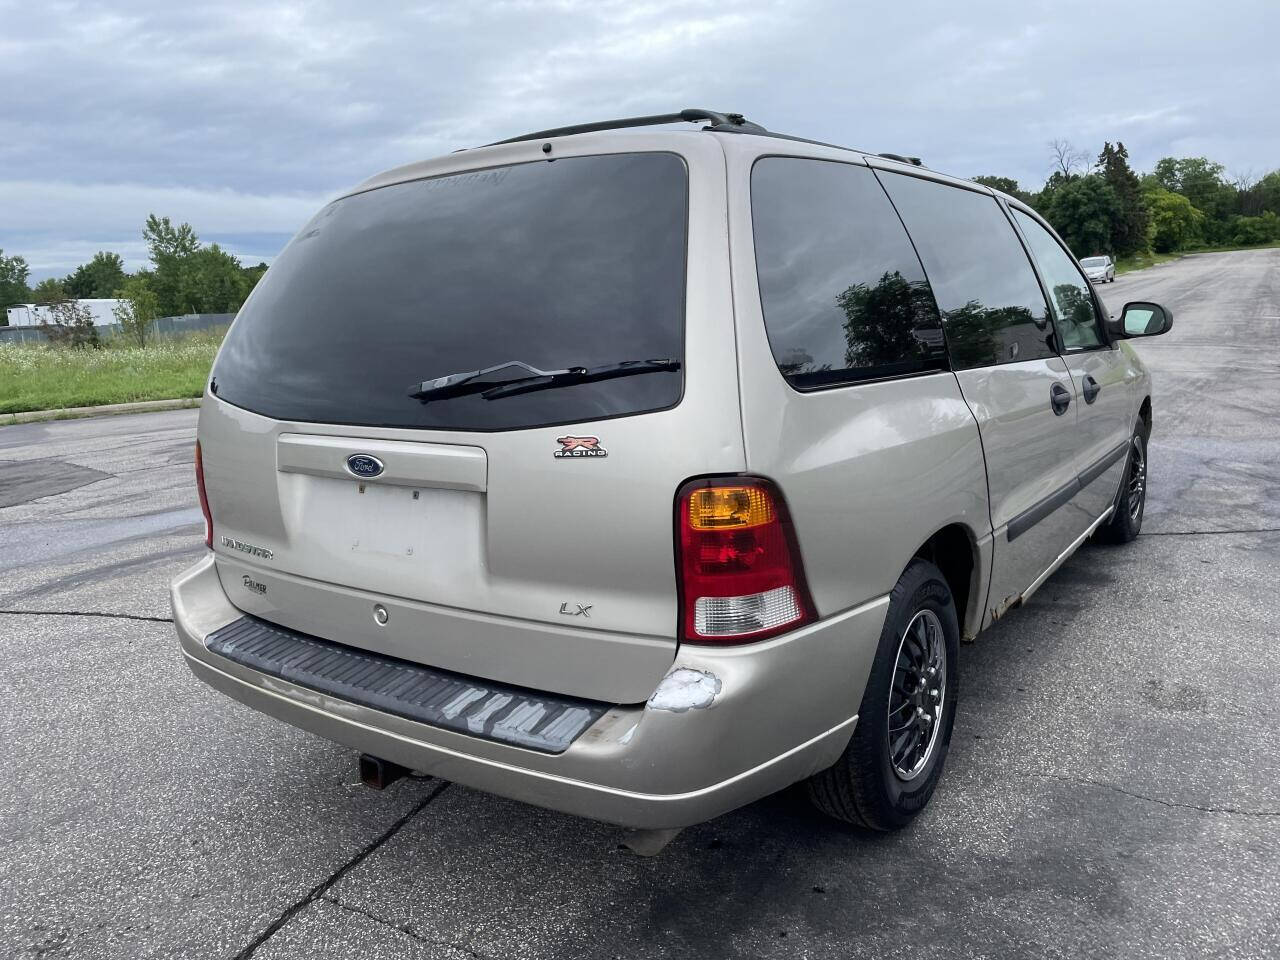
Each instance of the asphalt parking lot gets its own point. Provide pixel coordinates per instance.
(1113, 787)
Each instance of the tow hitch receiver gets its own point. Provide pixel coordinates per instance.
(378, 773)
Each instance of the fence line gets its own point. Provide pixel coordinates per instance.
(160, 327)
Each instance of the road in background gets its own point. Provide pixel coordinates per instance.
(1113, 785)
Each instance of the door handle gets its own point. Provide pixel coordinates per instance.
(1091, 388)
(1059, 399)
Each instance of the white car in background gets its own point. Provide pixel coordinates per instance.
(1099, 269)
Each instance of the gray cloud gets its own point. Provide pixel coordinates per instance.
(242, 117)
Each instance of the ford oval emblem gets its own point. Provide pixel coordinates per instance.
(363, 465)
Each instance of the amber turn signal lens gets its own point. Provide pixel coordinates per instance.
(718, 508)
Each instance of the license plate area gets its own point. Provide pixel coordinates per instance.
(390, 521)
(419, 542)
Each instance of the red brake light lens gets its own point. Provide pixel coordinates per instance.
(741, 577)
(204, 499)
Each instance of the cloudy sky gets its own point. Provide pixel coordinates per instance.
(243, 117)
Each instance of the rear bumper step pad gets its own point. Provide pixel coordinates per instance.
(494, 711)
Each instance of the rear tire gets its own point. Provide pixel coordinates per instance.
(894, 760)
(1131, 500)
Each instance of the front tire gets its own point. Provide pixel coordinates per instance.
(1131, 500)
(893, 762)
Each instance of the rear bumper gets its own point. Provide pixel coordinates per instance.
(784, 709)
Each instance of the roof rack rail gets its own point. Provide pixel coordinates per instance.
(720, 122)
(914, 161)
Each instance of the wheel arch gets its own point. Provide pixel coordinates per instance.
(1144, 413)
(953, 549)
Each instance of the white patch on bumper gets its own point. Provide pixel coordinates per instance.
(685, 689)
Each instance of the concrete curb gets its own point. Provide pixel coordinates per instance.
(106, 410)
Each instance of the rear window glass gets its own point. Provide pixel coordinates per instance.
(575, 262)
(992, 305)
(843, 293)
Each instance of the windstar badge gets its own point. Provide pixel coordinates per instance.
(580, 447)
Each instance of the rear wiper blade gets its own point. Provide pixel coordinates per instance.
(461, 384)
(612, 371)
(469, 382)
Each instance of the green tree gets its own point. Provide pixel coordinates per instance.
(1269, 188)
(100, 277)
(254, 274)
(1084, 211)
(13, 281)
(1196, 178)
(1005, 185)
(171, 249)
(190, 278)
(165, 240)
(72, 325)
(1129, 228)
(1201, 181)
(212, 281)
(49, 290)
(138, 308)
(1246, 231)
(1248, 195)
(1175, 222)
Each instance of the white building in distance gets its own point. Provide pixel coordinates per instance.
(39, 314)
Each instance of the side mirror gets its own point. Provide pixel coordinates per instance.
(1141, 319)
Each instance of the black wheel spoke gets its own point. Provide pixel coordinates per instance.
(914, 647)
(913, 713)
(915, 747)
(895, 750)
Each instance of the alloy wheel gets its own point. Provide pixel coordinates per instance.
(1137, 479)
(917, 695)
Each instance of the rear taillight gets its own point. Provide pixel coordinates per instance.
(204, 499)
(741, 578)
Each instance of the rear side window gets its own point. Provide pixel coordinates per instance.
(1072, 297)
(992, 306)
(572, 262)
(843, 293)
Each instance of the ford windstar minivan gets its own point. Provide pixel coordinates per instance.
(639, 473)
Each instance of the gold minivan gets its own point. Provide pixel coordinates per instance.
(639, 473)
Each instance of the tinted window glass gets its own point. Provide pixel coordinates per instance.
(1073, 310)
(572, 262)
(843, 293)
(992, 307)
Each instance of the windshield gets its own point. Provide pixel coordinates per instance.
(576, 262)
(1093, 262)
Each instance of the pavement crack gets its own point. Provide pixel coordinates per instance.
(323, 886)
(86, 613)
(405, 928)
(1063, 778)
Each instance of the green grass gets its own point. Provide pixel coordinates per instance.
(43, 377)
(1140, 261)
